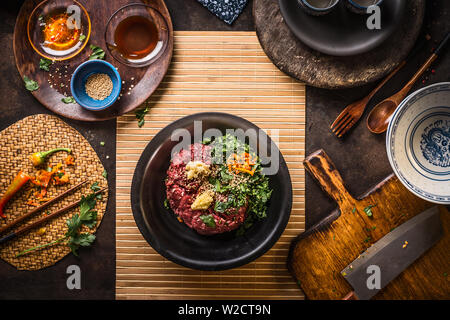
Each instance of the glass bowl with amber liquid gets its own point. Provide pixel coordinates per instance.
(59, 29)
(137, 35)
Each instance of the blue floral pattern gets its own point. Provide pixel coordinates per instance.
(435, 143)
(227, 10)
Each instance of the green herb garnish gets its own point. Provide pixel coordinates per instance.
(105, 174)
(208, 220)
(82, 37)
(95, 187)
(74, 238)
(97, 53)
(44, 64)
(140, 115)
(368, 210)
(166, 204)
(30, 85)
(206, 141)
(68, 100)
(254, 191)
(102, 143)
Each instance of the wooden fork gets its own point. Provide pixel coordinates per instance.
(353, 112)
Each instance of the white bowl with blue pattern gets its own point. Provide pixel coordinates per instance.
(418, 143)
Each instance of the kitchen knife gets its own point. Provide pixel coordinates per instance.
(392, 254)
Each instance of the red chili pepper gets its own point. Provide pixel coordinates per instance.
(17, 183)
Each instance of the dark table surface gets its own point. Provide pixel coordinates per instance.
(360, 156)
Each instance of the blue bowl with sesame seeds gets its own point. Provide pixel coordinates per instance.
(95, 85)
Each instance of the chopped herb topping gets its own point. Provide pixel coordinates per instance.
(208, 220)
(166, 204)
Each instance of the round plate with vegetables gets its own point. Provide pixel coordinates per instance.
(211, 191)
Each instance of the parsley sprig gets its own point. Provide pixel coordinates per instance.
(74, 238)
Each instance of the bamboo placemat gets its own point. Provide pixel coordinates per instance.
(224, 72)
(17, 142)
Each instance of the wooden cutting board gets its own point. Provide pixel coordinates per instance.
(318, 255)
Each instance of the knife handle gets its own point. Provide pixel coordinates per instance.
(323, 169)
(350, 296)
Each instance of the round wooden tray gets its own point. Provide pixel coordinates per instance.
(299, 61)
(142, 81)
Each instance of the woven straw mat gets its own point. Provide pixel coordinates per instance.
(41, 133)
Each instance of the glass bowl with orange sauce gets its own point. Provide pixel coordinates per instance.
(59, 29)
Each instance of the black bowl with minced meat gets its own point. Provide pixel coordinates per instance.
(192, 243)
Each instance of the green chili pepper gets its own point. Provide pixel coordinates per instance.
(38, 158)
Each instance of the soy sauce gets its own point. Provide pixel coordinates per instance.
(136, 37)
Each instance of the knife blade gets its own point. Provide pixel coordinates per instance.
(393, 253)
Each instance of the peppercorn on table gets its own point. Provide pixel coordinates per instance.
(225, 72)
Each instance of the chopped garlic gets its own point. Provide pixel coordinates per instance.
(203, 201)
(196, 168)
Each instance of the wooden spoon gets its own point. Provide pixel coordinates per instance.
(381, 114)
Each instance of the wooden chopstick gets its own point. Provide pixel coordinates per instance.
(32, 212)
(12, 235)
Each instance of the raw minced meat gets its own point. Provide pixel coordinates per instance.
(182, 192)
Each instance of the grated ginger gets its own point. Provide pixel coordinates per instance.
(196, 168)
(203, 200)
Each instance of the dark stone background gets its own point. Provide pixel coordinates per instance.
(360, 156)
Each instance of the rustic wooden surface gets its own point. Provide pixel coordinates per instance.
(293, 57)
(225, 72)
(318, 256)
(145, 80)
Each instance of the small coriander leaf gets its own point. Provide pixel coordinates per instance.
(44, 64)
(97, 53)
(368, 210)
(208, 220)
(30, 85)
(68, 100)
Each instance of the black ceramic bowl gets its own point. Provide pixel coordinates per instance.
(176, 241)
